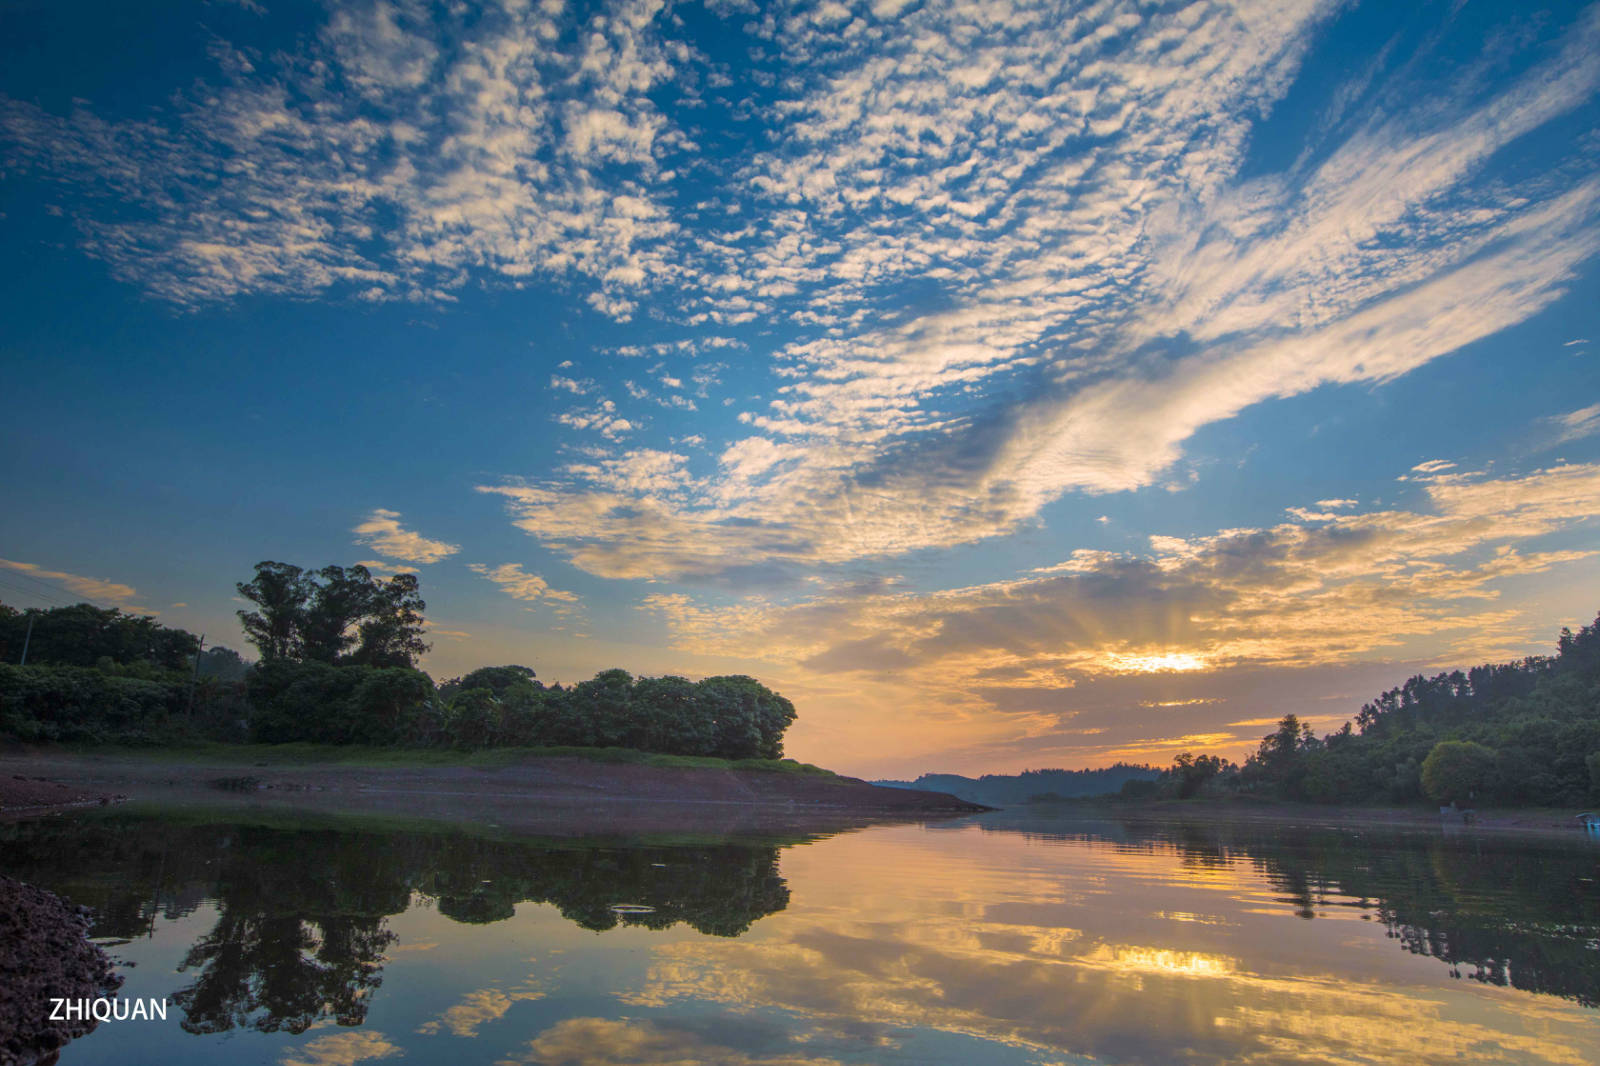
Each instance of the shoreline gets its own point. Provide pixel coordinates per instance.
(1498, 819)
(554, 794)
(572, 795)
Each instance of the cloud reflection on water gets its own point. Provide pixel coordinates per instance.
(1075, 949)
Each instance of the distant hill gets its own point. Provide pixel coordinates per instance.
(1008, 790)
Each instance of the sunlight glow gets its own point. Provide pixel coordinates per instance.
(1177, 662)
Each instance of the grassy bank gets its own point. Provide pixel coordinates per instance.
(301, 754)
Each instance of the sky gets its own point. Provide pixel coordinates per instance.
(1008, 384)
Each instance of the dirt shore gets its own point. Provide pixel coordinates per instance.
(21, 793)
(544, 793)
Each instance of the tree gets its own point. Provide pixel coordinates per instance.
(337, 615)
(280, 592)
(750, 718)
(1457, 771)
(605, 703)
(391, 632)
(339, 599)
(499, 678)
(86, 635)
(1191, 772)
(222, 663)
(671, 717)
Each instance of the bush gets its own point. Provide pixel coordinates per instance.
(78, 704)
(322, 703)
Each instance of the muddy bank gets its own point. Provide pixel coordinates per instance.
(21, 793)
(44, 955)
(549, 794)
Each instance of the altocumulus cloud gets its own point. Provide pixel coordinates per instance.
(478, 134)
(1111, 276)
(1114, 284)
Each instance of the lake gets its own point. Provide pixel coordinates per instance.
(1002, 938)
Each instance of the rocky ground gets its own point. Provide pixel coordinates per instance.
(44, 955)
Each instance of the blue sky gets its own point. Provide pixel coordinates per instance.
(1010, 384)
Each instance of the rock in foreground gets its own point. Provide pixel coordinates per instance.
(44, 955)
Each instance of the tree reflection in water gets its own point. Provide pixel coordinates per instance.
(302, 930)
(1522, 912)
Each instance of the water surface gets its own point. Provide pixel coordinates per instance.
(1001, 939)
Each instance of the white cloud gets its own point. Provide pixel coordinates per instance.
(520, 585)
(1575, 425)
(383, 532)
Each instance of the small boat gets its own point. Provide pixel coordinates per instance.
(1591, 822)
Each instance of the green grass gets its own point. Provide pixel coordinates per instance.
(301, 754)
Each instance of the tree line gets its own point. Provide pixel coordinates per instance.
(1033, 786)
(1524, 733)
(337, 651)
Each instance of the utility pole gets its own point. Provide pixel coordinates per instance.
(195, 677)
(26, 640)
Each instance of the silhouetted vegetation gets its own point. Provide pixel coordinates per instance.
(337, 662)
(301, 933)
(1032, 786)
(1510, 734)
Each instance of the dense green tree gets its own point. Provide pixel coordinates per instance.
(281, 592)
(473, 720)
(497, 679)
(336, 615)
(338, 601)
(671, 716)
(1457, 771)
(321, 703)
(222, 663)
(750, 718)
(391, 632)
(1191, 773)
(604, 706)
(85, 635)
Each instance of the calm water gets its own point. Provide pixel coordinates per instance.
(1000, 940)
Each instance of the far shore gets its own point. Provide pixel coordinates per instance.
(561, 794)
(1507, 819)
(609, 790)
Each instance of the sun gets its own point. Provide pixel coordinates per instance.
(1175, 662)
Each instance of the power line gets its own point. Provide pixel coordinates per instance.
(56, 595)
(32, 577)
(31, 594)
